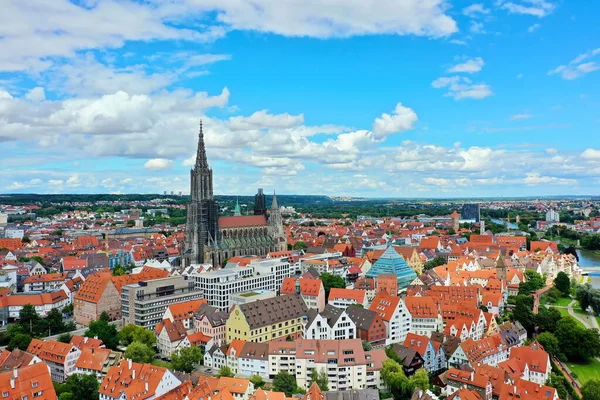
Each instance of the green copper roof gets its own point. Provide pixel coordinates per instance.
(391, 262)
(237, 210)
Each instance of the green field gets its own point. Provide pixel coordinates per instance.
(565, 313)
(586, 371)
(561, 301)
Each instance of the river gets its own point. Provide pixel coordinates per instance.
(510, 225)
(590, 259)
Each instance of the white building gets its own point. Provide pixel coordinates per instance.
(217, 286)
(60, 357)
(552, 216)
(332, 323)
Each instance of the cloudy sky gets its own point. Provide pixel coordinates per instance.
(401, 98)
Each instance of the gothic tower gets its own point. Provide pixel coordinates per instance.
(276, 226)
(201, 229)
(501, 272)
(260, 203)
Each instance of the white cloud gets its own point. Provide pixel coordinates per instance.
(533, 28)
(35, 33)
(534, 179)
(591, 154)
(16, 186)
(158, 164)
(537, 8)
(470, 66)
(520, 116)
(475, 10)
(36, 94)
(74, 181)
(459, 42)
(577, 68)
(477, 27)
(463, 88)
(402, 119)
(437, 181)
(262, 119)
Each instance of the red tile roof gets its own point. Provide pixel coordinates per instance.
(242, 221)
(308, 287)
(29, 382)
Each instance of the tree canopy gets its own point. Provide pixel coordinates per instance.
(563, 283)
(186, 359)
(226, 372)
(104, 331)
(134, 333)
(331, 281)
(285, 382)
(139, 352)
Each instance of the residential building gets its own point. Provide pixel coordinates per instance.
(144, 303)
(369, 325)
(425, 316)
(530, 363)
(265, 320)
(211, 321)
(60, 357)
(15, 359)
(96, 361)
(432, 352)
(12, 304)
(410, 359)
(101, 292)
(331, 323)
(45, 282)
(169, 336)
(29, 382)
(394, 313)
(387, 283)
(184, 312)
(311, 290)
(132, 381)
(343, 298)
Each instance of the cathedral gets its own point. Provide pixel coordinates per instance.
(212, 239)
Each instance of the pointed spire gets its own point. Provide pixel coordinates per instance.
(274, 205)
(237, 212)
(201, 160)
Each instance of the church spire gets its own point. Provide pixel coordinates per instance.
(274, 205)
(201, 160)
(237, 212)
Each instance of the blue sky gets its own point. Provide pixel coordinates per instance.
(387, 98)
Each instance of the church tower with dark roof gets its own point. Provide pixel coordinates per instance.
(202, 221)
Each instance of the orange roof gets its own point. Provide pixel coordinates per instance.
(417, 342)
(82, 342)
(130, 379)
(35, 299)
(185, 310)
(93, 359)
(267, 395)
(175, 331)
(198, 338)
(308, 287)
(31, 379)
(233, 385)
(421, 307)
(356, 295)
(94, 286)
(430, 242)
(236, 346)
(180, 392)
(82, 241)
(50, 350)
(481, 239)
(245, 220)
(71, 263)
(384, 305)
(57, 277)
(11, 244)
(156, 273)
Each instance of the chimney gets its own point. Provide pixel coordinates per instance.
(129, 362)
(298, 286)
(85, 339)
(15, 372)
(146, 386)
(133, 374)
(12, 383)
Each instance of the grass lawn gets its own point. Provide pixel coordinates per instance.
(565, 313)
(586, 371)
(562, 301)
(160, 363)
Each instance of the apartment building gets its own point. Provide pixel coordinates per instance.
(425, 316)
(96, 361)
(343, 298)
(265, 320)
(29, 382)
(211, 322)
(129, 381)
(60, 357)
(45, 282)
(311, 290)
(332, 323)
(144, 303)
(394, 313)
(265, 274)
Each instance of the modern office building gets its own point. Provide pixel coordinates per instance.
(470, 212)
(265, 274)
(144, 303)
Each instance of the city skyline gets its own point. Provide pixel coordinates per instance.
(450, 99)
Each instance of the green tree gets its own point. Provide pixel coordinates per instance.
(420, 379)
(533, 282)
(523, 313)
(331, 281)
(285, 382)
(66, 396)
(186, 359)
(451, 231)
(396, 381)
(549, 342)
(591, 390)
(575, 342)
(140, 353)
(28, 318)
(65, 338)
(103, 331)
(367, 346)
(131, 223)
(547, 318)
(83, 386)
(55, 322)
(19, 341)
(134, 333)
(226, 372)
(559, 383)
(257, 381)
(563, 283)
(119, 270)
(300, 245)
(320, 378)
(436, 262)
